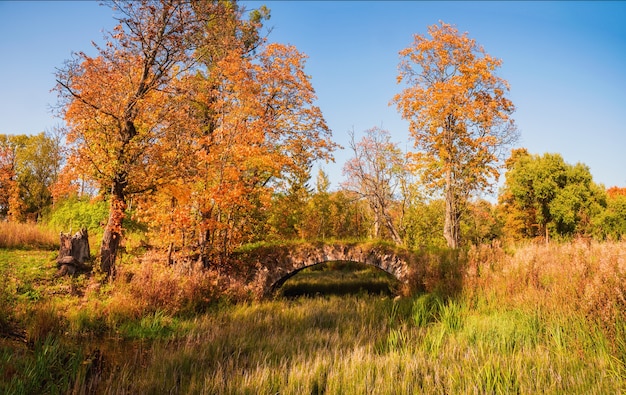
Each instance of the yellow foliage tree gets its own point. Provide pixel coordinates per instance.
(459, 117)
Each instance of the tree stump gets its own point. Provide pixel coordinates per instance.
(73, 253)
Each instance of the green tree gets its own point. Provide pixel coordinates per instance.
(611, 223)
(287, 211)
(39, 160)
(424, 222)
(317, 221)
(458, 116)
(544, 195)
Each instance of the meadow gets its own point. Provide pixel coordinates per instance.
(527, 319)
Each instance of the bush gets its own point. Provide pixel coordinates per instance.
(75, 213)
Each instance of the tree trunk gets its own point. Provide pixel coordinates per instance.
(395, 236)
(113, 230)
(451, 223)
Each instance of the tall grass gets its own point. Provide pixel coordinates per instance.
(535, 319)
(368, 344)
(584, 277)
(27, 236)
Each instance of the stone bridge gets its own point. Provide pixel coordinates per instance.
(268, 267)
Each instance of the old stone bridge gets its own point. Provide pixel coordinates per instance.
(268, 267)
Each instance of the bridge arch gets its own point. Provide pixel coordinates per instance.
(276, 286)
(271, 266)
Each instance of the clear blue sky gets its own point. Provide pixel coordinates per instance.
(565, 62)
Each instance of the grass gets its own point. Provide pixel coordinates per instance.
(27, 236)
(536, 319)
(339, 278)
(369, 344)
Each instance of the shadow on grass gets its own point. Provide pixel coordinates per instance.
(339, 279)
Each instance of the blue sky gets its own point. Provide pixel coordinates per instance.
(565, 62)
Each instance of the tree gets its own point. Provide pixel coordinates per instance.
(29, 166)
(375, 174)
(611, 223)
(543, 195)
(317, 222)
(458, 116)
(10, 203)
(114, 104)
(38, 162)
(250, 133)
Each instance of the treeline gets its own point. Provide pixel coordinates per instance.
(543, 197)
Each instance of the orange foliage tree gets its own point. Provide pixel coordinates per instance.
(459, 117)
(252, 125)
(114, 104)
(188, 111)
(10, 203)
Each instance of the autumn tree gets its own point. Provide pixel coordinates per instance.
(459, 117)
(10, 203)
(113, 104)
(29, 165)
(251, 128)
(375, 173)
(544, 195)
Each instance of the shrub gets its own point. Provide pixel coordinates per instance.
(74, 213)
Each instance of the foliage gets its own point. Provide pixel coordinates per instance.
(482, 223)
(424, 220)
(115, 105)
(187, 102)
(75, 213)
(29, 166)
(458, 116)
(543, 195)
(611, 223)
(250, 126)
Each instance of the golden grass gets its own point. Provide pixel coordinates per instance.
(531, 319)
(27, 236)
(581, 276)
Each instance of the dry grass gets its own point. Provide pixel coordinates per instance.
(27, 236)
(534, 319)
(581, 276)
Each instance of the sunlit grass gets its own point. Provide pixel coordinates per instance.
(27, 236)
(540, 319)
(369, 344)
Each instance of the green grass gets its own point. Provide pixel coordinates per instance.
(370, 344)
(353, 343)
